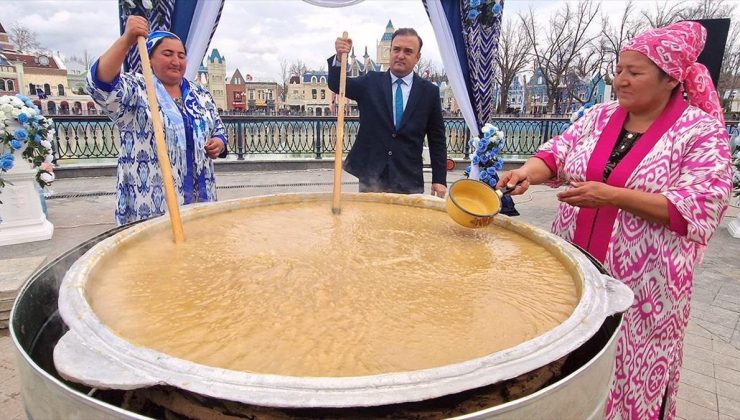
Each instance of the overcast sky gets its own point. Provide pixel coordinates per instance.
(255, 35)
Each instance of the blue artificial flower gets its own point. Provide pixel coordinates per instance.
(588, 105)
(6, 165)
(16, 144)
(580, 113)
(21, 134)
(474, 3)
(496, 9)
(23, 98)
(496, 150)
(485, 157)
(468, 169)
(475, 160)
(498, 165)
(482, 147)
(488, 135)
(22, 118)
(492, 182)
(484, 176)
(473, 14)
(491, 171)
(37, 139)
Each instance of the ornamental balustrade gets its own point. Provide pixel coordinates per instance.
(96, 137)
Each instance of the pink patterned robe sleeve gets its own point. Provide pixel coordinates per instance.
(702, 185)
(555, 151)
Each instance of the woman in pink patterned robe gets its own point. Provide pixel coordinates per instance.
(648, 179)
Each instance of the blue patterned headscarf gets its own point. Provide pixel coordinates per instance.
(155, 37)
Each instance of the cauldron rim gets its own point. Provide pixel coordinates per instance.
(124, 366)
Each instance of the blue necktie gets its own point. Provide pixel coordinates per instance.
(399, 103)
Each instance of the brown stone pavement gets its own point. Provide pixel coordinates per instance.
(711, 375)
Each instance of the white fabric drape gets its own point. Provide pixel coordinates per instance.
(451, 63)
(204, 20)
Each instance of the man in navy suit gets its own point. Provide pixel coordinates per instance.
(397, 109)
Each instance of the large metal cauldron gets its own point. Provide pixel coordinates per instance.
(36, 327)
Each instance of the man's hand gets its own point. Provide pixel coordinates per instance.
(214, 147)
(342, 46)
(588, 194)
(439, 190)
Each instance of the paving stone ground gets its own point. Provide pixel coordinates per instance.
(710, 379)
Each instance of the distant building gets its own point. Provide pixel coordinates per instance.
(235, 92)
(11, 74)
(515, 103)
(43, 77)
(573, 93)
(309, 94)
(261, 97)
(357, 67)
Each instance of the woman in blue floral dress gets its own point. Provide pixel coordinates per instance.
(193, 130)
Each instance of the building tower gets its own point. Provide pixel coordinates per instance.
(384, 47)
(217, 78)
(5, 44)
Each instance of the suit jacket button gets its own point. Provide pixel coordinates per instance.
(393, 135)
(390, 153)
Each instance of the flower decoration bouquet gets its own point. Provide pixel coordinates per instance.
(483, 12)
(25, 135)
(486, 161)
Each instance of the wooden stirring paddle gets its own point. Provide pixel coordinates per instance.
(339, 146)
(164, 158)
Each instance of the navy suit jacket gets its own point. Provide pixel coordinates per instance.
(379, 146)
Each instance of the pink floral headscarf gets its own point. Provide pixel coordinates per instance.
(675, 48)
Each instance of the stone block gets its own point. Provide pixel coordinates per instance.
(690, 411)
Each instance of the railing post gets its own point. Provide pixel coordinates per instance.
(239, 141)
(317, 139)
(545, 134)
(55, 143)
(466, 143)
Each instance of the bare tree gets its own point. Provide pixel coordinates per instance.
(615, 36)
(425, 68)
(729, 78)
(589, 68)
(83, 60)
(297, 68)
(284, 77)
(554, 49)
(512, 57)
(664, 13)
(25, 40)
(708, 9)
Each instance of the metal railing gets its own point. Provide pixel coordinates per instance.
(95, 137)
